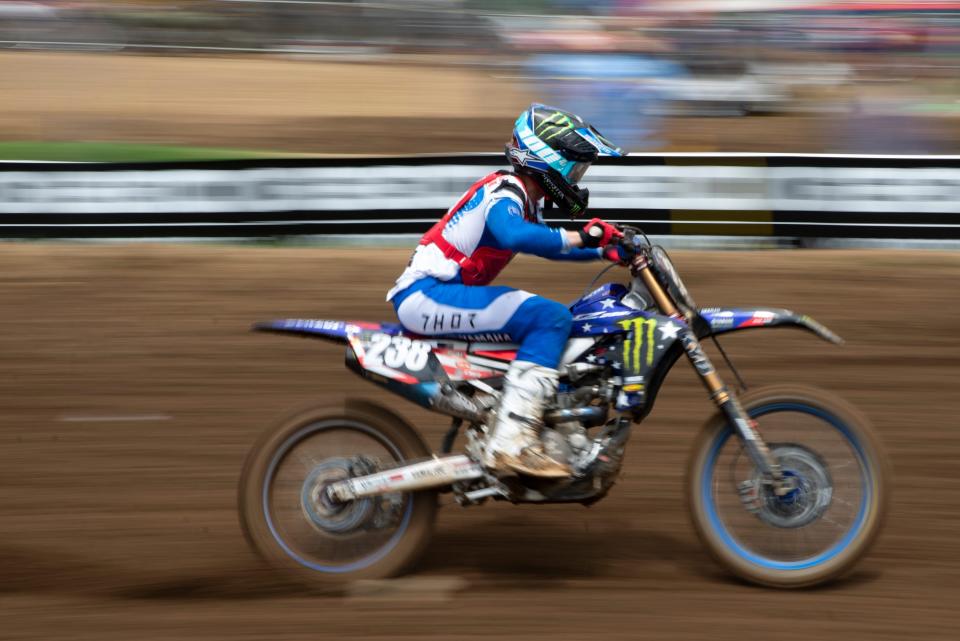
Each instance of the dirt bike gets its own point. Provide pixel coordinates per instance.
(786, 485)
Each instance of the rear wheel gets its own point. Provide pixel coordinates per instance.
(288, 519)
(817, 531)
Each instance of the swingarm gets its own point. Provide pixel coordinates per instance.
(434, 472)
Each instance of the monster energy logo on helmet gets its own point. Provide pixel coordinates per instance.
(558, 121)
(555, 148)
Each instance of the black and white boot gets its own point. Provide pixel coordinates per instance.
(514, 445)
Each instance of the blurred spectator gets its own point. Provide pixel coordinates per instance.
(626, 64)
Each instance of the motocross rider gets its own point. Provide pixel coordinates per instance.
(445, 288)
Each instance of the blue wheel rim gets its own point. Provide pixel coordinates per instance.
(361, 563)
(717, 524)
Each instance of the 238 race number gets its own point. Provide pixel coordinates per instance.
(397, 352)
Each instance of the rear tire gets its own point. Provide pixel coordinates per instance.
(766, 557)
(258, 502)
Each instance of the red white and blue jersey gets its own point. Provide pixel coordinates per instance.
(494, 220)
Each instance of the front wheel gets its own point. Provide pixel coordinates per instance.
(288, 519)
(821, 528)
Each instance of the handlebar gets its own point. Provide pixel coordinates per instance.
(629, 240)
(632, 241)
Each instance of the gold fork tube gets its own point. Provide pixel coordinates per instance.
(724, 399)
(718, 391)
(663, 301)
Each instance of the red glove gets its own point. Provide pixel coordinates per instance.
(598, 233)
(615, 254)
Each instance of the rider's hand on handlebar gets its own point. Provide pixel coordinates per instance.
(617, 254)
(598, 233)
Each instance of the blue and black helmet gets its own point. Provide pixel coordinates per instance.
(555, 148)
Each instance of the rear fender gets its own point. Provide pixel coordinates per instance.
(374, 352)
(331, 330)
(418, 370)
(723, 320)
(378, 352)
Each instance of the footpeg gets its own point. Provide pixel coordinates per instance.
(474, 497)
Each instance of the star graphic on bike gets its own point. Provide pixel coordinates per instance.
(608, 303)
(587, 327)
(669, 331)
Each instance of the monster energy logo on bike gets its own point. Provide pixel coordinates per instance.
(637, 345)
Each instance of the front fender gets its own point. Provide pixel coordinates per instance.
(723, 320)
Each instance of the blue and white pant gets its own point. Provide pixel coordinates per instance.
(539, 325)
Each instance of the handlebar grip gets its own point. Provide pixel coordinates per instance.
(627, 241)
(618, 240)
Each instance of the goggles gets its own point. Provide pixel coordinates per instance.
(574, 172)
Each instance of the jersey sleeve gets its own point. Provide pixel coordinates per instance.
(579, 254)
(505, 221)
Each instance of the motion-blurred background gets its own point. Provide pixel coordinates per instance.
(131, 388)
(450, 75)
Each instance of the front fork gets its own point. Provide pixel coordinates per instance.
(722, 397)
(728, 403)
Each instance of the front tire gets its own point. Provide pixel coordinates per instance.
(817, 532)
(368, 539)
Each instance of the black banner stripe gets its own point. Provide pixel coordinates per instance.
(909, 204)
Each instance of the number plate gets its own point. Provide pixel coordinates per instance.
(397, 357)
(397, 352)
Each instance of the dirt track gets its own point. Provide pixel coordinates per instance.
(329, 107)
(126, 529)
